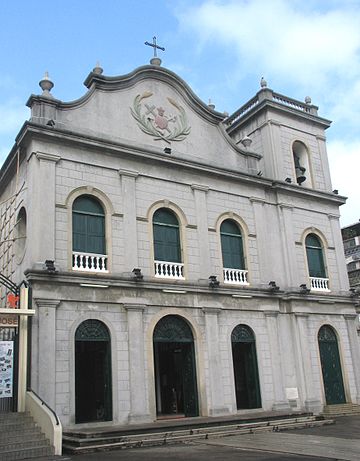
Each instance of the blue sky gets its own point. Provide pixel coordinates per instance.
(220, 48)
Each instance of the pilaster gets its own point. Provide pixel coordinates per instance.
(47, 349)
(217, 406)
(351, 325)
(311, 403)
(202, 229)
(42, 180)
(288, 244)
(263, 248)
(339, 253)
(138, 404)
(280, 401)
(128, 190)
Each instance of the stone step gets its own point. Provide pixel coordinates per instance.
(20, 438)
(98, 441)
(26, 453)
(341, 409)
(28, 434)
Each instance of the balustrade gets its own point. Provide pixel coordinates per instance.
(235, 276)
(319, 284)
(169, 270)
(89, 262)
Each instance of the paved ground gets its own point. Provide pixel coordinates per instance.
(337, 442)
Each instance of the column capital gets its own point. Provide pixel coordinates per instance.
(133, 307)
(211, 310)
(52, 303)
(350, 316)
(286, 206)
(258, 200)
(128, 173)
(300, 315)
(200, 187)
(271, 313)
(47, 157)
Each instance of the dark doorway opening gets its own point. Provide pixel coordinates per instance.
(93, 401)
(175, 373)
(247, 386)
(331, 366)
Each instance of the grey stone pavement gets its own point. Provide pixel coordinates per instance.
(340, 441)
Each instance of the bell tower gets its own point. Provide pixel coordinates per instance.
(289, 134)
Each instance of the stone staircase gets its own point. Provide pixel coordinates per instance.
(20, 438)
(344, 409)
(86, 440)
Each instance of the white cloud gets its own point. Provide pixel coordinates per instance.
(344, 161)
(312, 46)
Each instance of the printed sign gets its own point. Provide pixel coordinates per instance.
(8, 321)
(6, 368)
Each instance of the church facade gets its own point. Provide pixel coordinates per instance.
(182, 261)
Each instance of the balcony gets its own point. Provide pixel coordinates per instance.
(235, 276)
(89, 262)
(319, 284)
(169, 270)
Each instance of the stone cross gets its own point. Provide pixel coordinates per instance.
(155, 46)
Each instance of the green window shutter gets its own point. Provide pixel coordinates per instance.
(232, 245)
(166, 236)
(315, 256)
(88, 226)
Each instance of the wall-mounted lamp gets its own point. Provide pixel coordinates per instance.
(273, 287)
(246, 141)
(137, 274)
(213, 281)
(304, 290)
(50, 266)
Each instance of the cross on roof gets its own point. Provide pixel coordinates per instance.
(155, 46)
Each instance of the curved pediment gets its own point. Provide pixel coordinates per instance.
(150, 106)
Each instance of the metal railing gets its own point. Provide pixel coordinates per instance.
(46, 405)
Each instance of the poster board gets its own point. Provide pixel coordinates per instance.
(6, 368)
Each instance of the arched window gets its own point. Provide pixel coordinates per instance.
(88, 220)
(232, 253)
(167, 248)
(20, 234)
(316, 264)
(314, 253)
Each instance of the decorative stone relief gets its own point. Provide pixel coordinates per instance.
(155, 121)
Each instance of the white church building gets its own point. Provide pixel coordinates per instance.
(194, 260)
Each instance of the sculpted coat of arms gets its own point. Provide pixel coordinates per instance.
(156, 122)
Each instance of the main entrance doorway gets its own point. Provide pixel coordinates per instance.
(331, 366)
(175, 371)
(247, 387)
(93, 401)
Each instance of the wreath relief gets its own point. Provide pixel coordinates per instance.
(152, 120)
